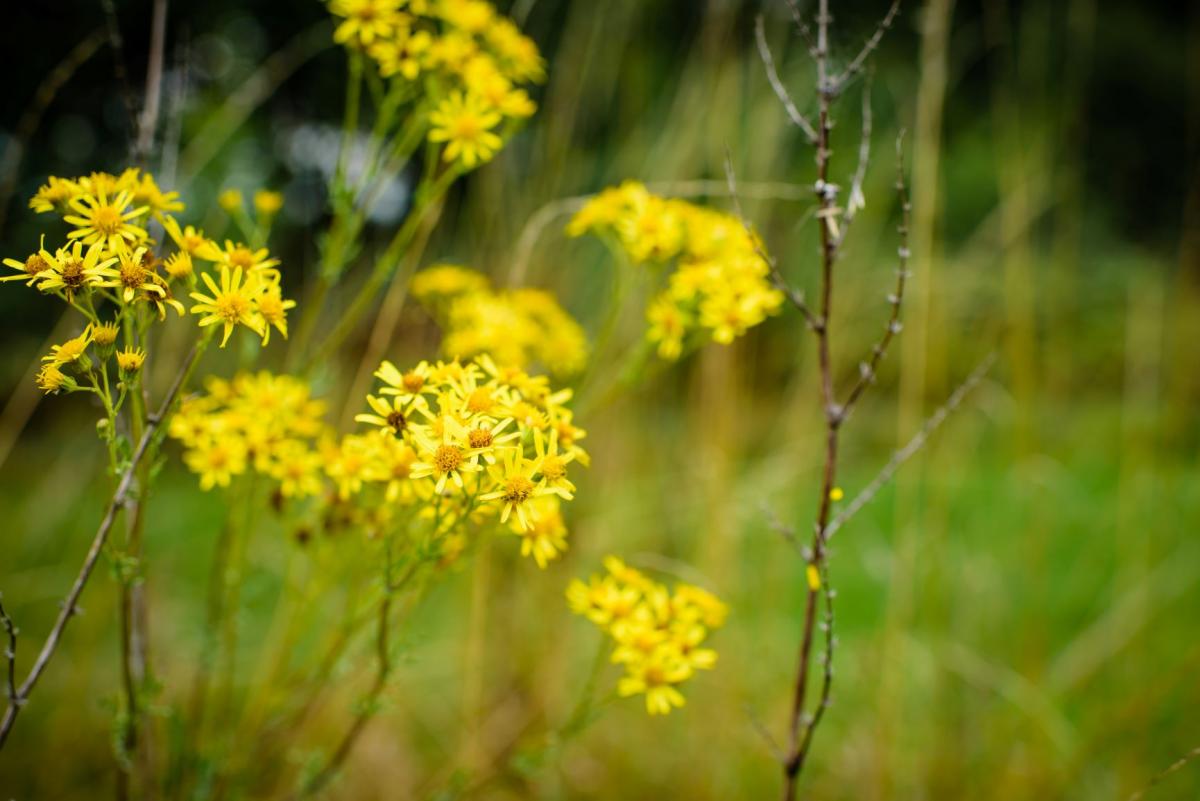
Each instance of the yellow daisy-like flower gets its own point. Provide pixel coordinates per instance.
(447, 458)
(30, 270)
(217, 460)
(388, 416)
(71, 269)
(231, 304)
(50, 379)
(130, 360)
(545, 538)
(109, 222)
(248, 260)
(71, 350)
(657, 677)
(366, 20)
(105, 334)
(273, 308)
(55, 194)
(191, 240)
(404, 55)
(516, 486)
(133, 275)
(464, 122)
(179, 265)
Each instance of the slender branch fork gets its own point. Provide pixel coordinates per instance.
(834, 223)
(19, 696)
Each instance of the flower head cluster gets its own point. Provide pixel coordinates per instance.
(657, 633)
(448, 442)
(268, 423)
(517, 327)
(467, 60)
(720, 286)
(490, 441)
(110, 257)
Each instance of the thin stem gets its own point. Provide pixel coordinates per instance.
(70, 604)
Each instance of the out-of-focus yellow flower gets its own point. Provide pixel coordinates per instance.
(366, 21)
(517, 328)
(267, 203)
(464, 122)
(231, 200)
(657, 634)
(720, 286)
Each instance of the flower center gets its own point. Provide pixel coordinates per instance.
(413, 382)
(447, 458)
(133, 274)
(232, 308)
(518, 489)
(106, 220)
(35, 264)
(553, 468)
(241, 257)
(467, 127)
(480, 400)
(72, 272)
(479, 437)
(396, 421)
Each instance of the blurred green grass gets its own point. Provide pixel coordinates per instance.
(1016, 616)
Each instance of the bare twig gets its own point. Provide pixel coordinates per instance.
(794, 296)
(762, 731)
(764, 52)
(856, 200)
(915, 444)
(1175, 766)
(868, 368)
(802, 28)
(10, 655)
(69, 605)
(856, 65)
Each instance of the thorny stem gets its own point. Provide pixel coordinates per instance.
(69, 607)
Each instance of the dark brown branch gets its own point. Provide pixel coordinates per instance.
(915, 444)
(801, 727)
(868, 368)
(860, 60)
(69, 607)
(764, 52)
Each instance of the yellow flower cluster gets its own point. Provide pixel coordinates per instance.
(469, 60)
(110, 256)
(517, 327)
(258, 420)
(452, 442)
(720, 286)
(657, 633)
